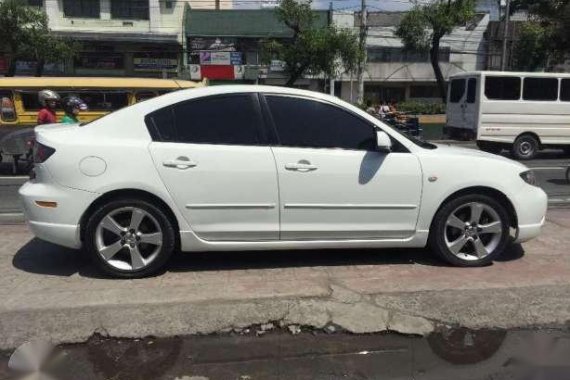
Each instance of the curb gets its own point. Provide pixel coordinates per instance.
(12, 218)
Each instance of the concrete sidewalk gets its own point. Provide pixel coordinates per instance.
(52, 293)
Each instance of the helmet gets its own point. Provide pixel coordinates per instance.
(45, 95)
(71, 102)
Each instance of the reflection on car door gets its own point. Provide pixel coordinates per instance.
(333, 183)
(212, 157)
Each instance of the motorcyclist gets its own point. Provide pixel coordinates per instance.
(48, 100)
(72, 105)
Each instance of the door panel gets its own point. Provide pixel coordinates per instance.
(224, 192)
(343, 194)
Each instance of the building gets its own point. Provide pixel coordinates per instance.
(226, 45)
(119, 37)
(393, 73)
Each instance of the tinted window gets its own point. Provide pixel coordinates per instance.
(540, 89)
(228, 119)
(161, 125)
(503, 88)
(308, 123)
(81, 8)
(471, 90)
(130, 9)
(565, 90)
(457, 90)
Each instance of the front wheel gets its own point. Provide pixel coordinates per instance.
(129, 238)
(470, 231)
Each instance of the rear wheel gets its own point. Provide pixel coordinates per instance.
(525, 147)
(129, 238)
(471, 230)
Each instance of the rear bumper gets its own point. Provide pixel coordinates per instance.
(58, 225)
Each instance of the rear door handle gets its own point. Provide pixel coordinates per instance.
(301, 166)
(180, 163)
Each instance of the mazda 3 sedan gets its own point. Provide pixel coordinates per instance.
(264, 168)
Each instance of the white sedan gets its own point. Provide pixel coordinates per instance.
(263, 168)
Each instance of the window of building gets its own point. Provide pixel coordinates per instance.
(502, 88)
(424, 92)
(565, 90)
(457, 90)
(541, 89)
(313, 124)
(35, 3)
(227, 119)
(81, 8)
(396, 54)
(471, 90)
(130, 9)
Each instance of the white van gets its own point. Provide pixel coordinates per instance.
(523, 112)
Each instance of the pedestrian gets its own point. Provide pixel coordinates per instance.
(48, 100)
(72, 105)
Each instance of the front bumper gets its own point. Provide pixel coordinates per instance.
(59, 225)
(530, 205)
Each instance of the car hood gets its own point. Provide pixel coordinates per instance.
(451, 150)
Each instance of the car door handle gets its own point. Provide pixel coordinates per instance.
(301, 167)
(180, 163)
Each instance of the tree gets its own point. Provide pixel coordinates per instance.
(532, 48)
(312, 50)
(26, 34)
(551, 19)
(423, 27)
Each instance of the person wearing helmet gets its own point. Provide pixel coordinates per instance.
(72, 105)
(48, 100)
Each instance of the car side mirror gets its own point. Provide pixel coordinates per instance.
(383, 142)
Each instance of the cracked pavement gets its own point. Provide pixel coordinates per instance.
(49, 292)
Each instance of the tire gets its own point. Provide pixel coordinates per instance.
(456, 243)
(566, 150)
(489, 147)
(119, 250)
(525, 147)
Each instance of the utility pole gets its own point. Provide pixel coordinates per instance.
(506, 36)
(362, 47)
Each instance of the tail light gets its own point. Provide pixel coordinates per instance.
(42, 152)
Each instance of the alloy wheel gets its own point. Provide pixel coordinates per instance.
(473, 231)
(128, 238)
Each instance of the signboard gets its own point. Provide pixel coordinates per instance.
(220, 58)
(277, 65)
(155, 64)
(213, 44)
(100, 61)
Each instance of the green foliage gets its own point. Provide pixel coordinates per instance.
(422, 108)
(553, 17)
(531, 50)
(312, 50)
(25, 33)
(423, 27)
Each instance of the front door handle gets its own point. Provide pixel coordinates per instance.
(301, 166)
(180, 163)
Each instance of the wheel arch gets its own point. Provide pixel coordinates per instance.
(129, 194)
(482, 190)
(533, 134)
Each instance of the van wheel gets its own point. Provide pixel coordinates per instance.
(470, 231)
(489, 147)
(525, 147)
(129, 238)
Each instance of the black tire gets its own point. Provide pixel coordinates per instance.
(525, 147)
(490, 147)
(566, 150)
(168, 242)
(438, 231)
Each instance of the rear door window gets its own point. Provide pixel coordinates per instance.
(457, 90)
(565, 90)
(502, 88)
(471, 90)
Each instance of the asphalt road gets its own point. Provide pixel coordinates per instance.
(550, 168)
